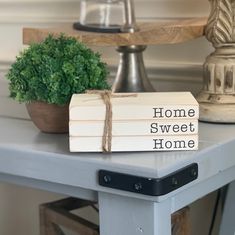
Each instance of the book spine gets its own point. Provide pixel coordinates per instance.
(136, 143)
(134, 128)
(128, 112)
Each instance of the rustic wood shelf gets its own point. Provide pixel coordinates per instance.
(151, 33)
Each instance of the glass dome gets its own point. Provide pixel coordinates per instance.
(102, 15)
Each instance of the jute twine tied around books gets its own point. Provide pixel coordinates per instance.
(106, 96)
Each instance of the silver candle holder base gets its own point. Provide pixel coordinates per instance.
(131, 74)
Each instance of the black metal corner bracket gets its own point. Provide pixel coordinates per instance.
(149, 186)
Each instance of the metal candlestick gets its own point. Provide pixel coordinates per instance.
(131, 75)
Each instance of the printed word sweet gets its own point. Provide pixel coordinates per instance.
(172, 128)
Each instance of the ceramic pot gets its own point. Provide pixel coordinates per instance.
(49, 118)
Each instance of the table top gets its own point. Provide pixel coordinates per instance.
(162, 31)
(26, 152)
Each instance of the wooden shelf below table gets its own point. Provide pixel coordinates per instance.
(150, 33)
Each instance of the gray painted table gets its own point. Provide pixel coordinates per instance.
(34, 159)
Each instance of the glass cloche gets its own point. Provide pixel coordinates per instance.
(101, 15)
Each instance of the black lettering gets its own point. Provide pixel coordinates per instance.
(191, 127)
(168, 113)
(191, 113)
(184, 128)
(176, 128)
(168, 144)
(175, 113)
(179, 113)
(154, 128)
(157, 113)
(165, 128)
(158, 143)
(179, 144)
(191, 144)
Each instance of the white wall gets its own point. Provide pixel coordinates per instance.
(170, 67)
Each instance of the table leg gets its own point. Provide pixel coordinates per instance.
(227, 224)
(128, 216)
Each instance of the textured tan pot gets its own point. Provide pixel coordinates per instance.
(49, 118)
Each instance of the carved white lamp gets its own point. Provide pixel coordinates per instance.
(217, 99)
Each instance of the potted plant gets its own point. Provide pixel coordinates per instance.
(47, 74)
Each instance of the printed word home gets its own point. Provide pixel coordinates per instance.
(173, 113)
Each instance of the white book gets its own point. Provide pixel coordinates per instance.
(140, 106)
(136, 143)
(134, 128)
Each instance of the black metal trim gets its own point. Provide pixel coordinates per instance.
(149, 186)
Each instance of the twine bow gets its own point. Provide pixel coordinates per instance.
(106, 96)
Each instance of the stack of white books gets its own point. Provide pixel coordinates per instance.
(156, 121)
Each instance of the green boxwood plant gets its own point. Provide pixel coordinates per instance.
(55, 69)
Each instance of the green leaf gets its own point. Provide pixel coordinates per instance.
(52, 71)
